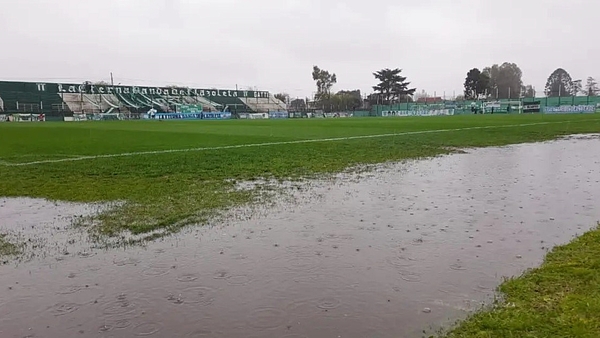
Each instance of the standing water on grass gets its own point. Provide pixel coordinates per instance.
(394, 252)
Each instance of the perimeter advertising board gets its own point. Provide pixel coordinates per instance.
(405, 113)
(188, 116)
(571, 109)
(278, 115)
(532, 107)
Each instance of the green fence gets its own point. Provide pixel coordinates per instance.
(360, 113)
(568, 100)
(504, 105)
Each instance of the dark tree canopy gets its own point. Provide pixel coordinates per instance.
(505, 80)
(471, 83)
(559, 84)
(392, 86)
(348, 100)
(476, 84)
(577, 88)
(528, 91)
(343, 100)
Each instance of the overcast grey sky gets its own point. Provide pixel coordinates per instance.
(273, 44)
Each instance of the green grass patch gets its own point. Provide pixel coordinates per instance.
(170, 190)
(559, 299)
(7, 248)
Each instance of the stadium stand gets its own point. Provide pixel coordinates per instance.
(265, 104)
(23, 98)
(58, 99)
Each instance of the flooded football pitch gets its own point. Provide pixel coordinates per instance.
(397, 251)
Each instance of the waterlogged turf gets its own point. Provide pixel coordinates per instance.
(559, 299)
(7, 248)
(169, 190)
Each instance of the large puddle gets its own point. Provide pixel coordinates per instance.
(396, 252)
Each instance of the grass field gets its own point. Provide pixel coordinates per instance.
(559, 299)
(168, 190)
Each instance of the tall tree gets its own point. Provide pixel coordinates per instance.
(476, 84)
(325, 81)
(528, 91)
(577, 88)
(559, 84)
(483, 86)
(392, 86)
(591, 87)
(471, 83)
(505, 80)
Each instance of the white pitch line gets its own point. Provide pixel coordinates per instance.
(265, 144)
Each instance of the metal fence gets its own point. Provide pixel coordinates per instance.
(546, 104)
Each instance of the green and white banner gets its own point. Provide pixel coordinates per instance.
(406, 113)
(568, 109)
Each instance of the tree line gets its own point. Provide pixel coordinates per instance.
(502, 81)
(391, 88)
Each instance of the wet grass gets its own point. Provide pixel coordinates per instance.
(7, 248)
(559, 299)
(171, 190)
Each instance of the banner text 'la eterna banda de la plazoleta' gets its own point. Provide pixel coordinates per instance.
(61, 88)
